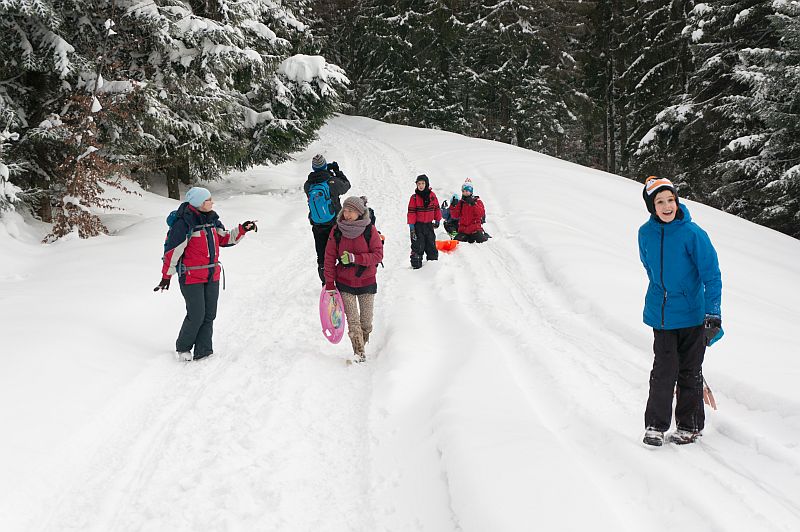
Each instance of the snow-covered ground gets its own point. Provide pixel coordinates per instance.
(505, 383)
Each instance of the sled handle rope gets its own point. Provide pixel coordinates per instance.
(708, 395)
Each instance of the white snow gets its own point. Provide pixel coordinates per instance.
(741, 17)
(746, 142)
(504, 388)
(302, 68)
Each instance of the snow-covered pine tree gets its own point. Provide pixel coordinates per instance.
(659, 63)
(400, 55)
(221, 88)
(8, 191)
(375, 46)
(601, 64)
(703, 132)
(513, 64)
(778, 101)
(199, 86)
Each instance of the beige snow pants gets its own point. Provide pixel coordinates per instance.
(358, 309)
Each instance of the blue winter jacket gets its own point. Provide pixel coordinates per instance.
(685, 281)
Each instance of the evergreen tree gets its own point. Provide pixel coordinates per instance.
(778, 94)
(193, 88)
(514, 60)
(659, 65)
(702, 133)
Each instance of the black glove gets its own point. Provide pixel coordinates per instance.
(163, 285)
(334, 166)
(454, 202)
(413, 233)
(436, 224)
(250, 226)
(712, 325)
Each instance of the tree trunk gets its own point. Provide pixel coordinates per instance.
(611, 118)
(176, 173)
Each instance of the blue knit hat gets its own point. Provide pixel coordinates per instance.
(319, 162)
(197, 195)
(467, 186)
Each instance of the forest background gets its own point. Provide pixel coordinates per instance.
(707, 94)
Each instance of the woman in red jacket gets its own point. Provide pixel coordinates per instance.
(470, 213)
(192, 251)
(352, 255)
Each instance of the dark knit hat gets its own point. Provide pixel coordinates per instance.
(319, 162)
(358, 204)
(652, 186)
(423, 177)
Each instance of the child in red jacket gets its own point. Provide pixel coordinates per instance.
(352, 255)
(424, 216)
(470, 213)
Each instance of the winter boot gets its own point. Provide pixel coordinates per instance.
(416, 261)
(653, 437)
(357, 339)
(184, 356)
(682, 437)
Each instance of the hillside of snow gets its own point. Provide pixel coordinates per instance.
(504, 388)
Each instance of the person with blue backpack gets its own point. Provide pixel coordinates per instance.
(192, 251)
(682, 306)
(325, 184)
(450, 224)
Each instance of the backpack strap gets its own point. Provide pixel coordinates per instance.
(337, 235)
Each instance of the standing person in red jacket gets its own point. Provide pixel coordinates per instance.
(352, 255)
(192, 251)
(424, 216)
(470, 213)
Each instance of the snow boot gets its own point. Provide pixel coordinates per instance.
(682, 437)
(357, 340)
(184, 356)
(653, 437)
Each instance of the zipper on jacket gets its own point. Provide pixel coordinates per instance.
(664, 301)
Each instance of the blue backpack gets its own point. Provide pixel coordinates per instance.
(171, 217)
(320, 205)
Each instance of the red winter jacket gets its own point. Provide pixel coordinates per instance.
(187, 256)
(370, 256)
(469, 215)
(419, 213)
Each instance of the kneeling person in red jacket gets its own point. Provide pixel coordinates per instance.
(192, 250)
(352, 255)
(470, 213)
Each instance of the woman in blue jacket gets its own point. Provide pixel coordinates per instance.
(683, 308)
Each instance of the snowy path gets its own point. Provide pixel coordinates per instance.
(500, 393)
(246, 440)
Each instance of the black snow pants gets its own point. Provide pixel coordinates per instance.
(198, 325)
(678, 359)
(425, 243)
(478, 237)
(321, 234)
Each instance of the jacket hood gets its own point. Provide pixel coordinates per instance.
(193, 216)
(319, 176)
